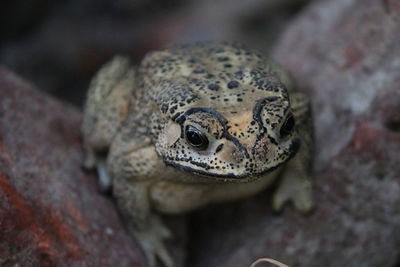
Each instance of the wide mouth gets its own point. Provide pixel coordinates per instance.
(293, 149)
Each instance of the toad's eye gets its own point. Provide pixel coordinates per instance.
(196, 138)
(287, 126)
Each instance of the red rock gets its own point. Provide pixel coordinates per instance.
(51, 213)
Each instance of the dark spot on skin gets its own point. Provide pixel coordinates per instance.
(213, 87)
(164, 108)
(199, 71)
(227, 65)
(239, 100)
(239, 74)
(233, 84)
(223, 59)
(271, 98)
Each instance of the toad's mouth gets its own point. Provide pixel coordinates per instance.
(189, 165)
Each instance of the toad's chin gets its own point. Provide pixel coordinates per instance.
(201, 168)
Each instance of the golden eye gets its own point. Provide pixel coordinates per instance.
(287, 126)
(196, 138)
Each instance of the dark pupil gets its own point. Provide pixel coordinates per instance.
(288, 126)
(196, 138)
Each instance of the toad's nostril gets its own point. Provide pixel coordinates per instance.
(219, 148)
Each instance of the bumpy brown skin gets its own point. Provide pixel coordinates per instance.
(243, 105)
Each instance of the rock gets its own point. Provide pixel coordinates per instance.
(345, 55)
(51, 213)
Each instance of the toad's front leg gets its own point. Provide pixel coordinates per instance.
(145, 225)
(134, 167)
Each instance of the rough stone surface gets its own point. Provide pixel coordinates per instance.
(345, 55)
(51, 213)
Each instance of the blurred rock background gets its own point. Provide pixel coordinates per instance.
(60, 44)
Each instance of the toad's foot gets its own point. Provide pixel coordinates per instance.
(294, 189)
(151, 240)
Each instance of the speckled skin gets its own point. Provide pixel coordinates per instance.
(240, 101)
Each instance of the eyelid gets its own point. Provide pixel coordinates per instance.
(206, 130)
